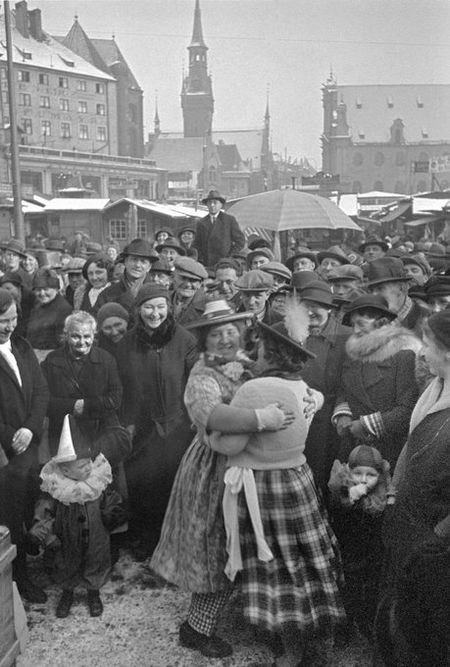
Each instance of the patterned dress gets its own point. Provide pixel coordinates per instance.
(191, 551)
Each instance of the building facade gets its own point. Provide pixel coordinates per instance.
(386, 137)
(74, 115)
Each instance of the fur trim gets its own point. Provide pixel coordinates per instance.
(382, 344)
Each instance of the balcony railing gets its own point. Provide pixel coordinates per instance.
(44, 152)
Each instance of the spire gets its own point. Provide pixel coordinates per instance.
(267, 114)
(197, 32)
(331, 81)
(156, 122)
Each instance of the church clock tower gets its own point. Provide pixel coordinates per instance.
(196, 95)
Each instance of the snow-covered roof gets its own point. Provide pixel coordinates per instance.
(75, 204)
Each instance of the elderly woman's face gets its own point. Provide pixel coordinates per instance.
(80, 339)
(45, 295)
(223, 340)
(97, 276)
(153, 312)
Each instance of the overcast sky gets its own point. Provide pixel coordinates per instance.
(287, 45)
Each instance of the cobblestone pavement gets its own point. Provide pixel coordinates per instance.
(139, 628)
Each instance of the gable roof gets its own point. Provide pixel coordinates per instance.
(229, 156)
(248, 142)
(423, 108)
(110, 53)
(77, 40)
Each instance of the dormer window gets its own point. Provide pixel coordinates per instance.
(358, 103)
(390, 102)
(361, 134)
(424, 133)
(419, 102)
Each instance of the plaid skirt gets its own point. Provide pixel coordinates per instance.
(299, 587)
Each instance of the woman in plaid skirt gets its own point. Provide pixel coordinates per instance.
(191, 551)
(278, 536)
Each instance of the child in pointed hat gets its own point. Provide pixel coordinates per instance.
(76, 513)
(360, 490)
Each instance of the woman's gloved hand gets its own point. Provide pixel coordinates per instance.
(274, 417)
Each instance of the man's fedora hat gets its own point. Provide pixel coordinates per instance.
(213, 194)
(335, 252)
(171, 242)
(300, 279)
(319, 292)
(386, 270)
(15, 246)
(140, 248)
(218, 312)
(299, 253)
(365, 301)
(374, 240)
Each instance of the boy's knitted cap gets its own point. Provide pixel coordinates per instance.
(363, 455)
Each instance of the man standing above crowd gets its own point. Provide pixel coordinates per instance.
(218, 234)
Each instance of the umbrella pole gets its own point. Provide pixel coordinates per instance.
(277, 247)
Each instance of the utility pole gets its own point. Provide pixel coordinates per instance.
(15, 166)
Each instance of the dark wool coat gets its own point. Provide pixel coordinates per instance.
(221, 239)
(98, 383)
(154, 371)
(20, 407)
(46, 323)
(379, 376)
(118, 292)
(324, 373)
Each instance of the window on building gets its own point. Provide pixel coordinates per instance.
(83, 132)
(81, 85)
(142, 229)
(24, 100)
(378, 159)
(63, 104)
(44, 102)
(400, 159)
(357, 159)
(27, 125)
(358, 103)
(378, 185)
(101, 110)
(82, 106)
(65, 131)
(101, 133)
(43, 79)
(424, 133)
(100, 88)
(356, 187)
(390, 102)
(132, 113)
(46, 128)
(23, 75)
(2, 73)
(63, 82)
(5, 97)
(118, 229)
(419, 102)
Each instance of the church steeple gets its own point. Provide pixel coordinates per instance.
(197, 32)
(156, 122)
(196, 96)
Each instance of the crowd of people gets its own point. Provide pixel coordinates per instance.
(239, 423)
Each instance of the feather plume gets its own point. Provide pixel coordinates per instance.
(296, 320)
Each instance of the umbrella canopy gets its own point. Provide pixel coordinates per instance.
(290, 209)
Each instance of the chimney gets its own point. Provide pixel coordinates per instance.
(22, 18)
(35, 21)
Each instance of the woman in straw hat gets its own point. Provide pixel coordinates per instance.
(191, 552)
(278, 536)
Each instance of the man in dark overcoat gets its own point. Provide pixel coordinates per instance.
(23, 405)
(218, 234)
